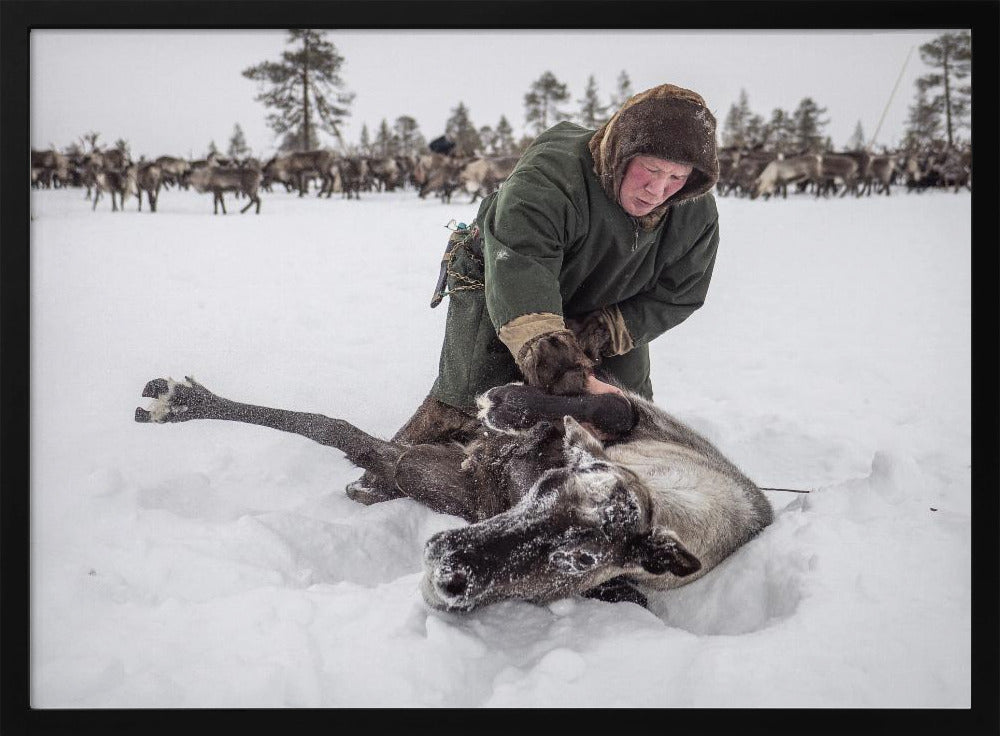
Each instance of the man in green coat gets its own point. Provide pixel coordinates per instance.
(597, 243)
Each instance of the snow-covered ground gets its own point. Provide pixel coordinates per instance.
(221, 565)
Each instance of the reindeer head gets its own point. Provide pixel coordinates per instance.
(582, 523)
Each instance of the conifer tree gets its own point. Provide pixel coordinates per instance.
(122, 145)
(623, 90)
(757, 132)
(304, 89)
(808, 126)
(238, 147)
(592, 113)
(488, 138)
(857, 140)
(408, 134)
(365, 143)
(734, 129)
(292, 141)
(385, 143)
(923, 124)
(459, 128)
(541, 102)
(781, 132)
(951, 55)
(505, 137)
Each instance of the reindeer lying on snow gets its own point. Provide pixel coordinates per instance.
(565, 495)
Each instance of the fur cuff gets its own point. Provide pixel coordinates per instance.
(521, 330)
(601, 332)
(555, 363)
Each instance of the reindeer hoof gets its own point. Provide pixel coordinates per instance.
(509, 408)
(174, 401)
(154, 388)
(617, 590)
(361, 492)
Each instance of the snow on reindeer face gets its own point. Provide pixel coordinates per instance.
(581, 524)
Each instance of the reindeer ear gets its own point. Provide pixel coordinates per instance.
(580, 443)
(660, 551)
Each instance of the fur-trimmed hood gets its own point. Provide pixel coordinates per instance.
(668, 122)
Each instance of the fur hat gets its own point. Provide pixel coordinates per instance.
(668, 122)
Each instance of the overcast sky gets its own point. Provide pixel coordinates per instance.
(172, 92)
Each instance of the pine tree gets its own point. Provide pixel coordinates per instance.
(781, 132)
(923, 124)
(460, 129)
(623, 91)
(292, 141)
(857, 140)
(488, 137)
(408, 134)
(734, 129)
(756, 132)
(213, 150)
(385, 143)
(365, 143)
(304, 89)
(951, 55)
(808, 126)
(238, 147)
(540, 103)
(122, 145)
(505, 137)
(592, 113)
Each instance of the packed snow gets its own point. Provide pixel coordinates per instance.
(213, 564)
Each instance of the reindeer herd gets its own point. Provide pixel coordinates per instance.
(113, 173)
(749, 173)
(755, 173)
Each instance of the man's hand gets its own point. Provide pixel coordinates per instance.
(595, 386)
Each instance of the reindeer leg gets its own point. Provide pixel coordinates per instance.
(516, 407)
(430, 474)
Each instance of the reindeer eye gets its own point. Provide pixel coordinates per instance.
(573, 561)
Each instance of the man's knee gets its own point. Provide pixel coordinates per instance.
(436, 422)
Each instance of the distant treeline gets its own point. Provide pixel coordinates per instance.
(305, 95)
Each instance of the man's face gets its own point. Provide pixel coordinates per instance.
(649, 182)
